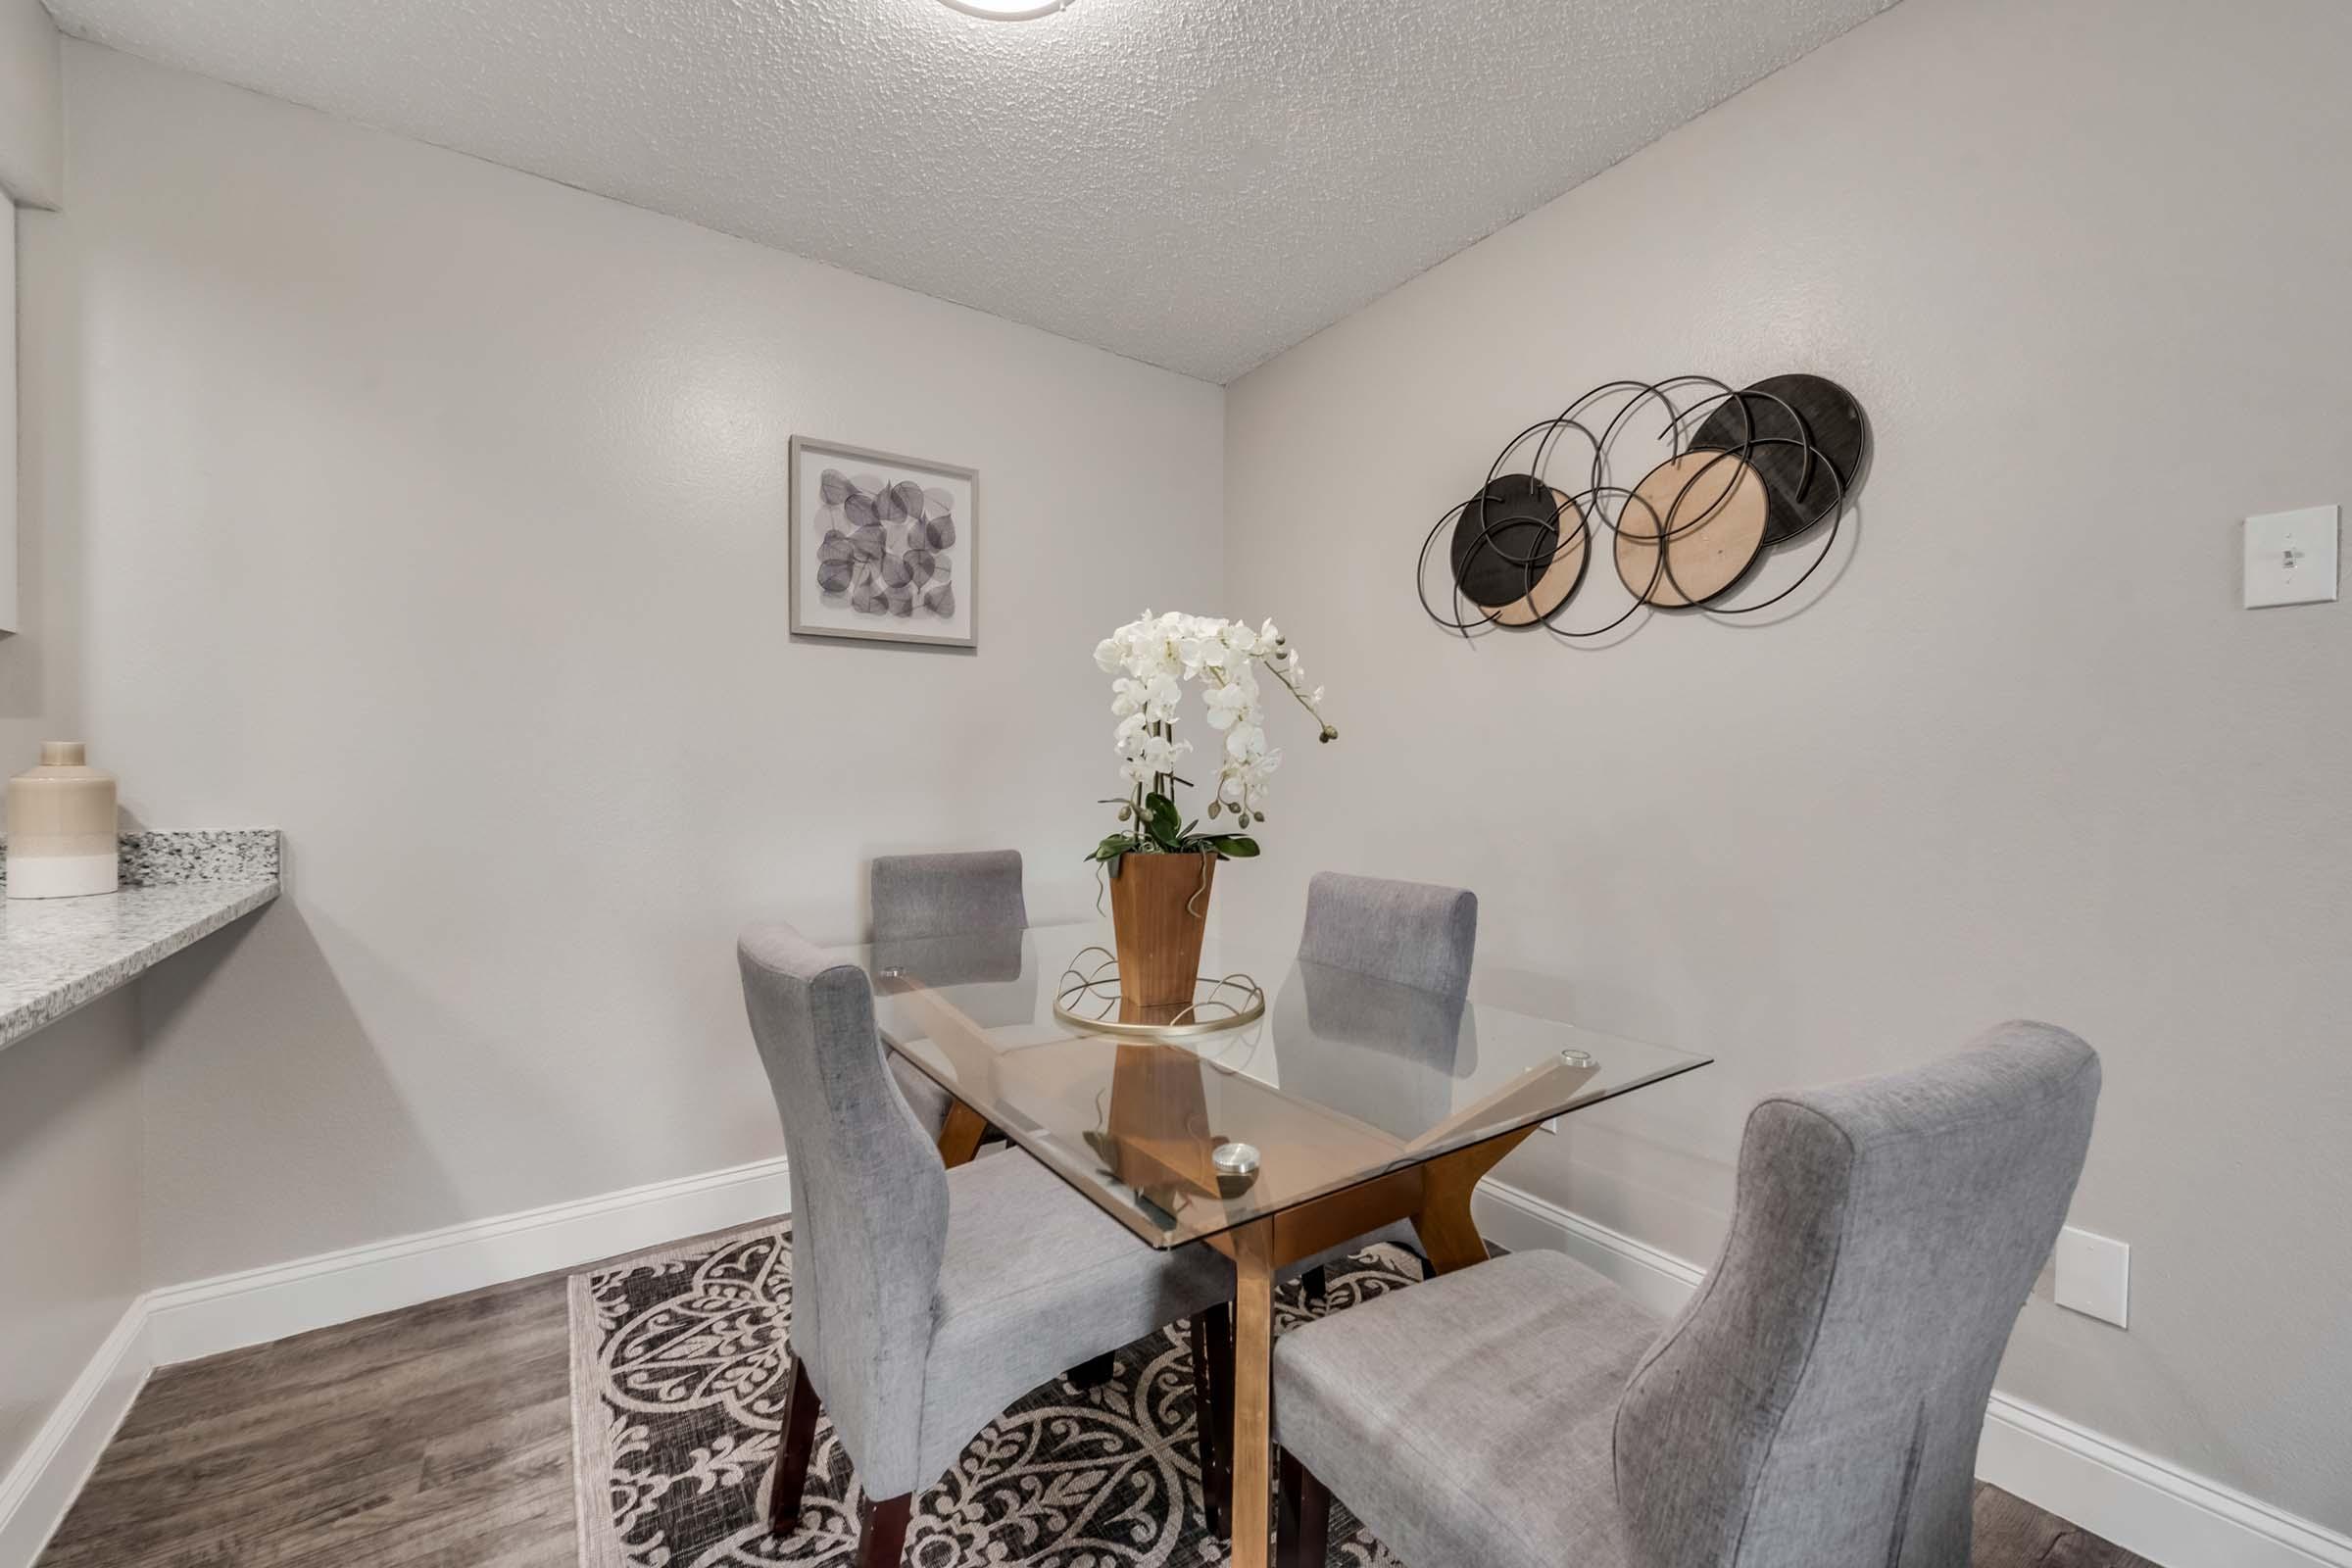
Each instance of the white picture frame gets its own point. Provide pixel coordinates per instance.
(885, 547)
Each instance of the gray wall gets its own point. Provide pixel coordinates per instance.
(68, 1206)
(69, 1096)
(32, 143)
(436, 513)
(2084, 264)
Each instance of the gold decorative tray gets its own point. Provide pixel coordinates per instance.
(1087, 998)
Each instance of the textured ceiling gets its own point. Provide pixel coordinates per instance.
(1198, 183)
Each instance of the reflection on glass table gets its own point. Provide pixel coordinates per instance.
(1343, 1078)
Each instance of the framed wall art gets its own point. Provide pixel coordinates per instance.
(884, 548)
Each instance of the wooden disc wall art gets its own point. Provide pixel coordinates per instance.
(1691, 528)
(1723, 479)
(1514, 529)
(1803, 433)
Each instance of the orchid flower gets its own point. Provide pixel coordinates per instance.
(1152, 659)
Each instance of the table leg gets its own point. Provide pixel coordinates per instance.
(1252, 1392)
(959, 1139)
(1449, 1234)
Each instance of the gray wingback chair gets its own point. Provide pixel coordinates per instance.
(1412, 938)
(1816, 1403)
(952, 895)
(924, 1299)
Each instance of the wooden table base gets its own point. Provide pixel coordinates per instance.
(1434, 1196)
(960, 1138)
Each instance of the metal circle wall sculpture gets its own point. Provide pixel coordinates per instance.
(1728, 478)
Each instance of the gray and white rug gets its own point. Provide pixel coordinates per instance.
(680, 1374)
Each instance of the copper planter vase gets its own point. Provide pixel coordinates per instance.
(1158, 914)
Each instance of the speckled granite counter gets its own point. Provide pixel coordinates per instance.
(178, 887)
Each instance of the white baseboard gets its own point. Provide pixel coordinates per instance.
(1519, 1220)
(257, 1306)
(182, 1322)
(2140, 1502)
(42, 1484)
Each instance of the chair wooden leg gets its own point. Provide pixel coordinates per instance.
(1289, 1474)
(882, 1531)
(1317, 1282)
(1303, 1523)
(1094, 1373)
(1212, 1403)
(1220, 1361)
(801, 1408)
(1204, 1415)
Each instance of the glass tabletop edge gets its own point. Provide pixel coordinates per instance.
(1166, 1241)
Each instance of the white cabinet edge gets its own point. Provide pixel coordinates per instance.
(9, 620)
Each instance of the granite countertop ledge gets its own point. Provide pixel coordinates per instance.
(178, 887)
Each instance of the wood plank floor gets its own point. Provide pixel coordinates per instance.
(440, 1437)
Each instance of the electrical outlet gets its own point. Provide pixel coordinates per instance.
(2093, 1276)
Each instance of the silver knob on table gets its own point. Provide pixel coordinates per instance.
(1235, 1160)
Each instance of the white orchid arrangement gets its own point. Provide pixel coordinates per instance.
(1152, 659)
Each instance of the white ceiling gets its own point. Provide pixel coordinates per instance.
(1196, 183)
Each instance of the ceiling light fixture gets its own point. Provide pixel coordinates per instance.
(1008, 9)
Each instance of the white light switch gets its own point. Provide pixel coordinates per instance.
(2290, 557)
(2094, 1275)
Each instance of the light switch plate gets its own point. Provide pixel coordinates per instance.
(2094, 1275)
(2290, 557)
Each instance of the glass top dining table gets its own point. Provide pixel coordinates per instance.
(1344, 1079)
(1339, 1105)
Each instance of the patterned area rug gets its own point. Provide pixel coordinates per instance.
(678, 1382)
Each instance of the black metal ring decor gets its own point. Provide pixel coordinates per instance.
(1731, 477)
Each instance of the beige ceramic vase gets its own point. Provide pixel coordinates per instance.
(61, 827)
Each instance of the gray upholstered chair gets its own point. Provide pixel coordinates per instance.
(1415, 933)
(1415, 941)
(955, 895)
(1816, 1403)
(924, 1299)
